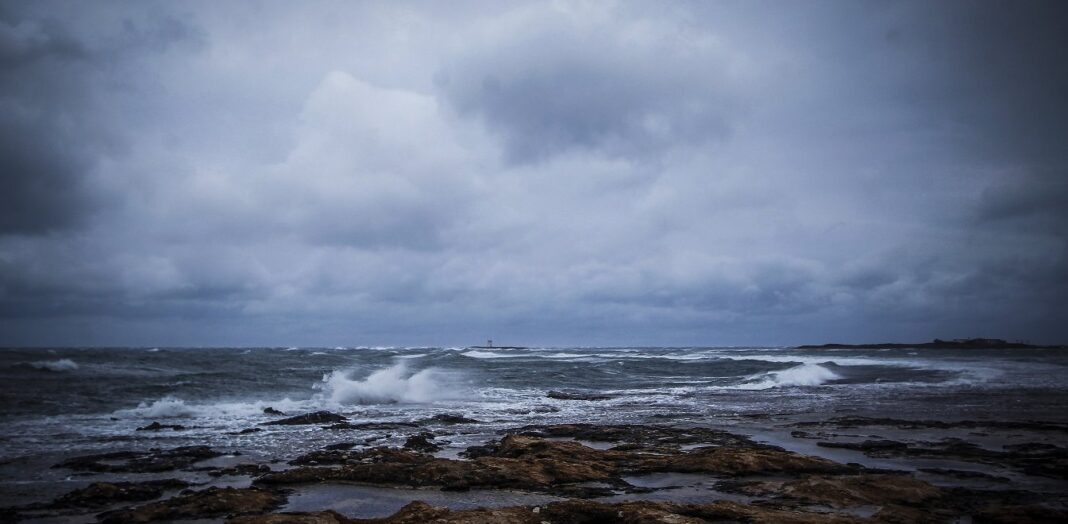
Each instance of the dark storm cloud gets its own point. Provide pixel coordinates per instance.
(51, 133)
(560, 83)
(564, 172)
(40, 155)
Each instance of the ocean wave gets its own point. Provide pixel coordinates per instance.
(63, 364)
(803, 375)
(393, 384)
(173, 407)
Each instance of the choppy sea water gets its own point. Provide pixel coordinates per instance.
(61, 402)
(66, 399)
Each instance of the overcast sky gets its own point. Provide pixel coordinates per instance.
(647, 173)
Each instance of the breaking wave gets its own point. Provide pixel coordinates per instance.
(393, 384)
(63, 364)
(803, 375)
(173, 407)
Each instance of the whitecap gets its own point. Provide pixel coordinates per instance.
(803, 375)
(393, 384)
(63, 364)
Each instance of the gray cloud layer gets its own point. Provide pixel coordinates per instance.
(605, 173)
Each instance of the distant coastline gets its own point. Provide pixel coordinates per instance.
(960, 343)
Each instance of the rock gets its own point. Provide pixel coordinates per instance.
(373, 426)
(577, 395)
(271, 411)
(844, 491)
(247, 431)
(1032, 514)
(571, 512)
(867, 445)
(644, 436)
(421, 442)
(961, 474)
(319, 517)
(450, 419)
(252, 470)
(151, 461)
(101, 494)
(858, 422)
(340, 446)
(1032, 458)
(318, 417)
(209, 503)
(536, 464)
(156, 426)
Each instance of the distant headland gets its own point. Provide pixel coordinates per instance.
(957, 343)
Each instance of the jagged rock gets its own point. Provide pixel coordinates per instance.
(422, 442)
(642, 435)
(156, 426)
(317, 417)
(373, 426)
(849, 490)
(859, 422)
(961, 474)
(101, 494)
(151, 461)
(271, 411)
(251, 470)
(577, 395)
(209, 503)
(1032, 458)
(449, 419)
(572, 512)
(867, 445)
(536, 464)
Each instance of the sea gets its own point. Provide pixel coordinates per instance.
(59, 402)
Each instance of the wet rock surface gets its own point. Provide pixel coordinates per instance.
(577, 395)
(101, 494)
(317, 417)
(582, 463)
(422, 442)
(152, 461)
(571, 512)
(1039, 459)
(156, 426)
(538, 464)
(209, 503)
(449, 418)
(862, 422)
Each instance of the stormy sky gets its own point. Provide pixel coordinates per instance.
(622, 173)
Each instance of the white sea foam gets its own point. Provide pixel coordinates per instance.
(173, 407)
(393, 384)
(803, 375)
(474, 353)
(63, 364)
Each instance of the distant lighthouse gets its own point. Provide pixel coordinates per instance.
(489, 343)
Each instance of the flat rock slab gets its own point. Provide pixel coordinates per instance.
(152, 461)
(208, 503)
(317, 417)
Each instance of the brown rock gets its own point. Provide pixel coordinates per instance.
(209, 503)
(152, 461)
(101, 494)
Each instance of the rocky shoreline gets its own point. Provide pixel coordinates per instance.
(592, 473)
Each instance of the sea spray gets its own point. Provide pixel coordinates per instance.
(173, 407)
(803, 375)
(393, 384)
(63, 364)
